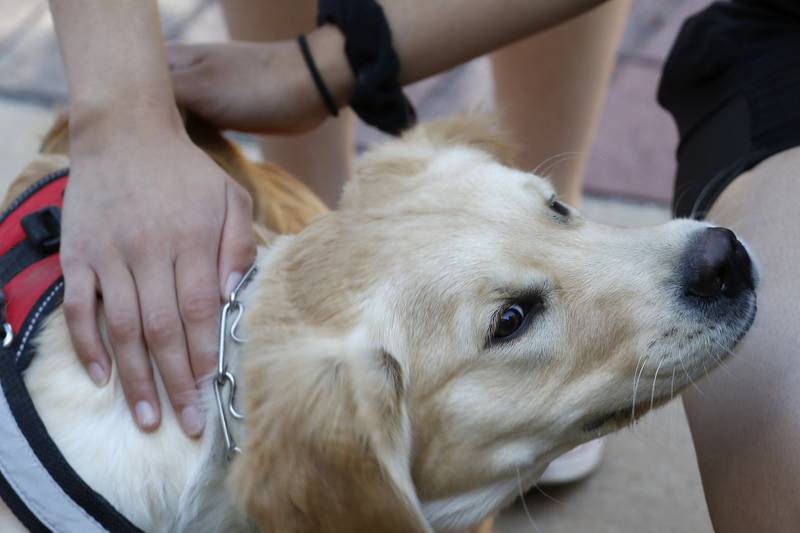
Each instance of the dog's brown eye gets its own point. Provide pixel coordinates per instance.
(509, 321)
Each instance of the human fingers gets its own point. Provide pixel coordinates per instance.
(181, 56)
(237, 247)
(164, 333)
(196, 82)
(196, 282)
(123, 321)
(80, 312)
(273, 92)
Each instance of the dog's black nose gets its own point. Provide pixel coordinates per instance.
(717, 264)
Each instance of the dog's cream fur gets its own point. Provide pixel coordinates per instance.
(374, 401)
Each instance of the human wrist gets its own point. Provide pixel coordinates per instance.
(326, 44)
(97, 126)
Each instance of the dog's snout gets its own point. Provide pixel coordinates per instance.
(717, 264)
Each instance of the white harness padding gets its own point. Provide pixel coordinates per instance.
(33, 484)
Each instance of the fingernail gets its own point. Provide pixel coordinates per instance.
(233, 279)
(192, 421)
(145, 414)
(98, 374)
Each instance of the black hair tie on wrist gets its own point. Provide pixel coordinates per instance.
(378, 98)
(317, 77)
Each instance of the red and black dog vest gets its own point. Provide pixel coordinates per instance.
(36, 482)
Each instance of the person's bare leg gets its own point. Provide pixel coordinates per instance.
(550, 90)
(320, 158)
(745, 419)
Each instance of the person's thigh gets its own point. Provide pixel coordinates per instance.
(320, 158)
(745, 418)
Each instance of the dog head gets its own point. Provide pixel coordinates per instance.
(417, 358)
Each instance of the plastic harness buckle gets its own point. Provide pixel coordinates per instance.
(43, 228)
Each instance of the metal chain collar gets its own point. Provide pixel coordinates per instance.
(224, 378)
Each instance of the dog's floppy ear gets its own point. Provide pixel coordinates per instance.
(327, 445)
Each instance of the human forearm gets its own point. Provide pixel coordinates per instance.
(275, 93)
(114, 57)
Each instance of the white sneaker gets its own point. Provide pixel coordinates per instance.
(574, 465)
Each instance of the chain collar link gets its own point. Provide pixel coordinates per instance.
(224, 378)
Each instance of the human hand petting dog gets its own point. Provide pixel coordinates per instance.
(160, 232)
(260, 87)
(151, 223)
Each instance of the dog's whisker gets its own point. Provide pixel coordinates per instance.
(653, 388)
(710, 384)
(689, 377)
(543, 493)
(724, 348)
(633, 391)
(636, 378)
(705, 368)
(525, 504)
(556, 157)
(731, 353)
(715, 357)
(718, 360)
(672, 384)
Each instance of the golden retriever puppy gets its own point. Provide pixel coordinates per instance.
(413, 360)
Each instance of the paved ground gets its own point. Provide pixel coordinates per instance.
(648, 482)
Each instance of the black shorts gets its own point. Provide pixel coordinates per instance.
(732, 84)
